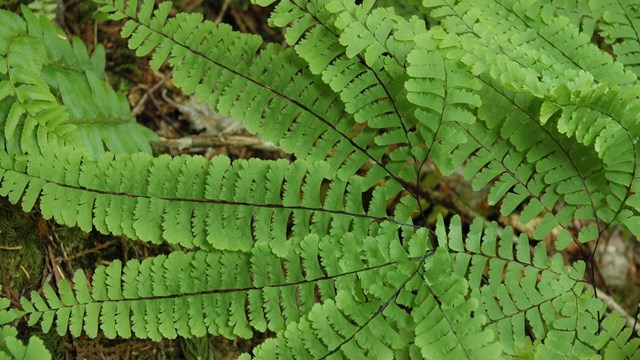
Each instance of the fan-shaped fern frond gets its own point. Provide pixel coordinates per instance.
(102, 116)
(560, 49)
(357, 327)
(516, 291)
(332, 252)
(533, 166)
(452, 133)
(444, 95)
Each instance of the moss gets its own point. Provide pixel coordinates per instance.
(75, 241)
(21, 253)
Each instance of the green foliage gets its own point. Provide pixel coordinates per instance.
(51, 93)
(10, 346)
(618, 25)
(45, 8)
(404, 8)
(332, 252)
(13, 348)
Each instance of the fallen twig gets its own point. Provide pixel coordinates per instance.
(95, 249)
(204, 141)
(137, 110)
(223, 11)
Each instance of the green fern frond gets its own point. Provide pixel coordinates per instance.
(447, 322)
(339, 328)
(619, 344)
(443, 92)
(344, 51)
(193, 294)
(533, 166)
(44, 8)
(227, 70)
(161, 297)
(101, 115)
(607, 121)
(12, 348)
(383, 40)
(578, 12)
(514, 67)
(29, 113)
(357, 327)
(578, 332)
(190, 200)
(366, 31)
(516, 291)
(90, 114)
(406, 9)
(560, 49)
(332, 252)
(618, 25)
(452, 136)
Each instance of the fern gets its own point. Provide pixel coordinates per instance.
(13, 348)
(45, 8)
(37, 63)
(590, 202)
(208, 58)
(189, 200)
(10, 346)
(406, 9)
(332, 252)
(619, 27)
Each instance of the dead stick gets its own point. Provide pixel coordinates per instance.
(223, 11)
(137, 110)
(203, 141)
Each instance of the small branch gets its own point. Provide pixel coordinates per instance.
(137, 110)
(223, 11)
(26, 273)
(204, 141)
(10, 248)
(95, 249)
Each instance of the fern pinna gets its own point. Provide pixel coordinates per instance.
(332, 252)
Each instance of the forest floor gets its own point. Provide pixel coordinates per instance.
(34, 251)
